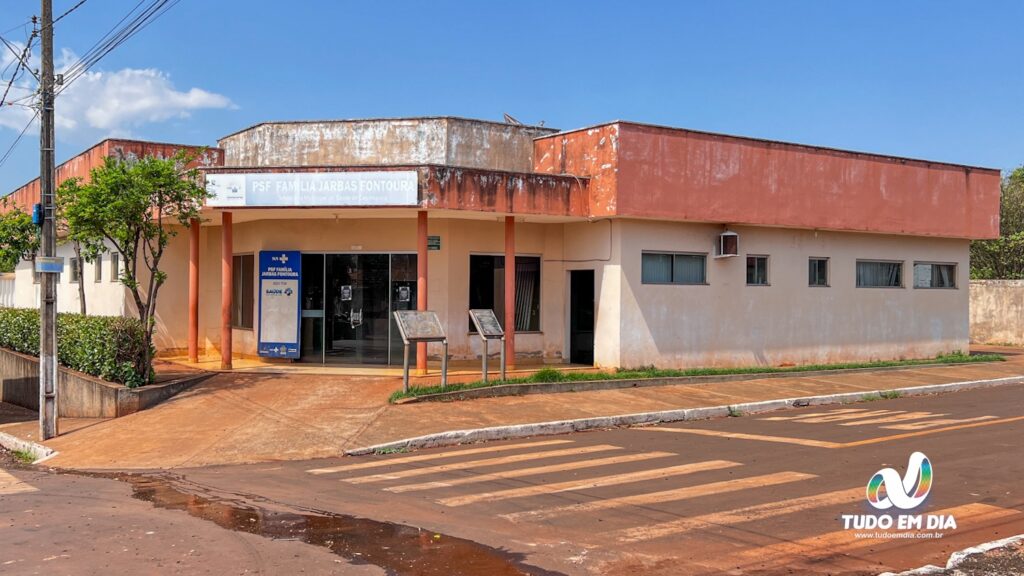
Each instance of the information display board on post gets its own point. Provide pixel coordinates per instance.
(279, 285)
(421, 326)
(488, 327)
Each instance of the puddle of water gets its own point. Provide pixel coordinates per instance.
(400, 550)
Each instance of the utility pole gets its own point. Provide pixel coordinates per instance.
(48, 280)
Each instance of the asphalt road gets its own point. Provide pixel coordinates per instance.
(757, 494)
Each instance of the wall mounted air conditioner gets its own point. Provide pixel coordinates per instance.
(728, 245)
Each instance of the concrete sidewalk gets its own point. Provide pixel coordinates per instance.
(239, 418)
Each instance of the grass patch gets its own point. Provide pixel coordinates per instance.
(24, 456)
(890, 394)
(553, 375)
(870, 398)
(734, 413)
(391, 450)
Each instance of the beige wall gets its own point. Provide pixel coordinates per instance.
(729, 323)
(723, 323)
(448, 284)
(997, 312)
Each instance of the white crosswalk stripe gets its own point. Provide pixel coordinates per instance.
(489, 449)
(576, 485)
(440, 468)
(663, 496)
(520, 472)
(740, 515)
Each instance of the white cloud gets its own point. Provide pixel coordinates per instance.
(105, 103)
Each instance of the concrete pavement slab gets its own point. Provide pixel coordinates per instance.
(252, 417)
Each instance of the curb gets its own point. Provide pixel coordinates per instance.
(15, 444)
(958, 558)
(645, 418)
(523, 389)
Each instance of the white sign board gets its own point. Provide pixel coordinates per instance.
(276, 189)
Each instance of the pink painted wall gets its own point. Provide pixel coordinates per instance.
(675, 174)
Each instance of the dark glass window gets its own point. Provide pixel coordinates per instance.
(817, 272)
(669, 268)
(757, 270)
(242, 291)
(487, 289)
(879, 274)
(928, 275)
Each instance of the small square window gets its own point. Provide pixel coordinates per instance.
(757, 270)
(76, 271)
(817, 271)
(931, 275)
(97, 269)
(115, 267)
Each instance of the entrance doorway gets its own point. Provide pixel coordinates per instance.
(347, 301)
(581, 317)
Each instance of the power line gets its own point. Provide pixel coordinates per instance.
(17, 69)
(14, 144)
(68, 11)
(118, 36)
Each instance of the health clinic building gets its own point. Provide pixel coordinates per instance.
(619, 245)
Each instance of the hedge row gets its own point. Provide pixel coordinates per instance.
(109, 347)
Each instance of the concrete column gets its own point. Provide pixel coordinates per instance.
(421, 283)
(193, 290)
(510, 291)
(226, 276)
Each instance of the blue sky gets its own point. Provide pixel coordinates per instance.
(931, 79)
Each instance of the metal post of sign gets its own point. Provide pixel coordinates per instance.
(486, 351)
(405, 367)
(503, 358)
(444, 365)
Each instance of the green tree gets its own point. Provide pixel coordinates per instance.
(19, 237)
(1003, 258)
(136, 207)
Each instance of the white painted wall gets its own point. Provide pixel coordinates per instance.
(103, 298)
(728, 323)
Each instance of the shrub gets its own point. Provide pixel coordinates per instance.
(109, 347)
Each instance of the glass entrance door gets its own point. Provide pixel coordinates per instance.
(356, 329)
(347, 305)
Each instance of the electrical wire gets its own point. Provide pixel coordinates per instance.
(116, 37)
(68, 11)
(14, 144)
(17, 69)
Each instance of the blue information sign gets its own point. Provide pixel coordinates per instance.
(280, 289)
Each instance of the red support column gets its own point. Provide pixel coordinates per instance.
(510, 291)
(421, 283)
(193, 291)
(226, 276)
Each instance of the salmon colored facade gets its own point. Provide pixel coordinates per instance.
(643, 171)
(586, 228)
(80, 165)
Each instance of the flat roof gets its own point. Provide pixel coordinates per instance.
(393, 119)
(770, 141)
(105, 140)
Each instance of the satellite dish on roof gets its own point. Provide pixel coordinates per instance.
(509, 119)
